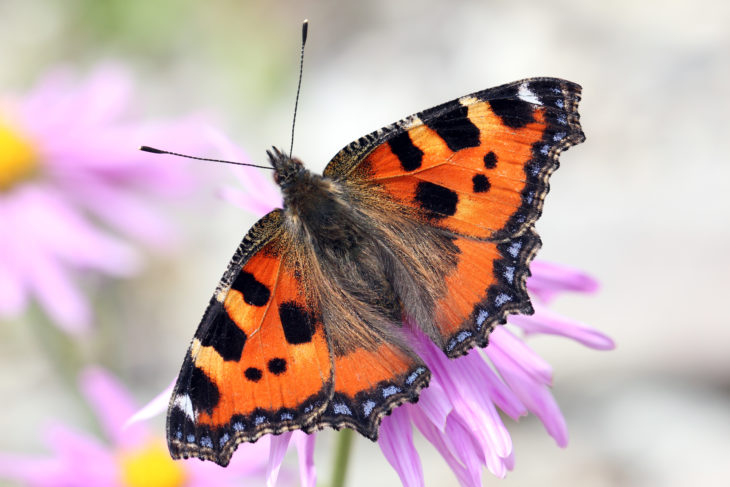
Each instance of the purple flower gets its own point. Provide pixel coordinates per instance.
(459, 411)
(131, 456)
(71, 191)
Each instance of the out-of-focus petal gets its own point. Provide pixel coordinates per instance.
(156, 406)
(255, 182)
(305, 452)
(64, 233)
(82, 455)
(127, 213)
(13, 287)
(396, 442)
(55, 291)
(37, 472)
(113, 406)
(279, 445)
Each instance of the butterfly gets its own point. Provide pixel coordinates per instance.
(427, 223)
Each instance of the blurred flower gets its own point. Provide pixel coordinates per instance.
(457, 412)
(71, 185)
(133, 457)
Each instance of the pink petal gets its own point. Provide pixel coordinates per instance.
(248, 461)
(305, 452)
(465, 445)
(548, 279)
(437, 439)
(435, 405)
(396, 442)
(113, 406)
(460, 387)
(127, 213)
(39, 472)
(255, 182)
(156, 406)
(13, 289)
(279, 445)
(532, 393)
(62, 230)
(84, 456)
(548, 322)
(493, 390)
(104, 96)
(530, 361)
(63, 301)
(13, 297)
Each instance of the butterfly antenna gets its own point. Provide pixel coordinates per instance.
(159, 151)
(305, 26)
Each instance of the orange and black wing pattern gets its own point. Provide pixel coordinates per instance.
(259, 362)
(477, 168)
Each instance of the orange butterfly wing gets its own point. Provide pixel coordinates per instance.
(478, 168)
(259, 362)
(369, 384)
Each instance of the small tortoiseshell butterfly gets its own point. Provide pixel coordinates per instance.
(428, 221)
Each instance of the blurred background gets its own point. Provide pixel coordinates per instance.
(642, 205)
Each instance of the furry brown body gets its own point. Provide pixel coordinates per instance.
(359, 259)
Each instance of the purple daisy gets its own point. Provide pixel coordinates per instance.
(131, 456)
(459, 411)
(71, 191)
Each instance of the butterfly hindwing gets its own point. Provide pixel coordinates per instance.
(369, 384)
(487, 284)
(259, 362)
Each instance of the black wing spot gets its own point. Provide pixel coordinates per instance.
(222, 333)
(455, 128)
(277, 366)
(409, 155)
(436, 198)
(512, 110)
(204, 393)
(253, 374)
(481, 183)
(254, 292)
(490, 160)
(297, 323)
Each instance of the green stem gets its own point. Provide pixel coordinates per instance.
(342, 457)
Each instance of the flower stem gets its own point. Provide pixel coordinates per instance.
(342, 457)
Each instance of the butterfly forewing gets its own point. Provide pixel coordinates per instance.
(259, 362)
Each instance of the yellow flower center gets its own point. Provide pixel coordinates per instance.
(151, 466)
(17, 158)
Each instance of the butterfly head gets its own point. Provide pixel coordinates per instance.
(286, 168)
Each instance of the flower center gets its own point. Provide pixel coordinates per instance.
(151, 466)
(17, 158)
